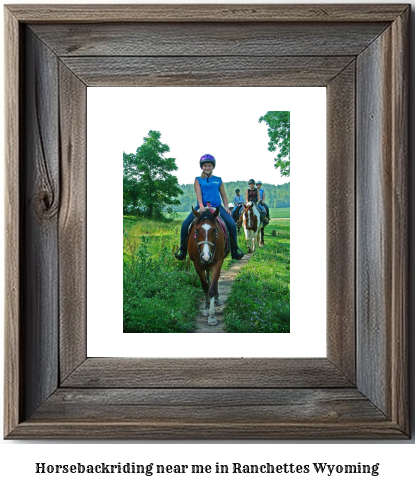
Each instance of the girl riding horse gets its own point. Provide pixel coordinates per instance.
(252, 195)
(209, 188)
(262, 198)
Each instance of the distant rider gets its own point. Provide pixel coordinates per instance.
(238, 201)
(252, 195)
(262, 198)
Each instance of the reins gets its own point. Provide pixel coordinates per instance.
(213, 244)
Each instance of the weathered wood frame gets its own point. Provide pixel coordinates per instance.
(359, 52)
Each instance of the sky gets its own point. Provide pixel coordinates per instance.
(222, 121)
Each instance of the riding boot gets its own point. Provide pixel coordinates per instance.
(236, 252)
(182, 251)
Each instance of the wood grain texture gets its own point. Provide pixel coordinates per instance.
(400, 233)
(341, 237)
(40, 205)
(209, 405)
(229, 39)
(374, 215)
(12, 371)
(206, 13)
(72, 222)
(382, 223)
(148, 430)
(206, 373)
(200, 398)
(206, 71)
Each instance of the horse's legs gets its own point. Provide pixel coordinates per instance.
(248, 241)
(207, 303)
(204, 280)
(217, 292)
(262, 235)
(213, 292)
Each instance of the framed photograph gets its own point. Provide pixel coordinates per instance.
(359, 390)
(167, 295)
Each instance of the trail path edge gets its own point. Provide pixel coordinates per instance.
(226, 280)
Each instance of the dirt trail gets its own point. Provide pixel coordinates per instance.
(225, 282)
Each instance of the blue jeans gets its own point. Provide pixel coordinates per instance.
(235, 209)
(230, 224)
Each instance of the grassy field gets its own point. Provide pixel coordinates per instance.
(161, 293)
(260, 295)
(279, 213)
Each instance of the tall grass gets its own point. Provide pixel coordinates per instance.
(160, 293)
(260, 296)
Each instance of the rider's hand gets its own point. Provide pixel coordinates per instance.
(228, 211)
(202, 208)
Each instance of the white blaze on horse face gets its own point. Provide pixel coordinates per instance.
(206, 253)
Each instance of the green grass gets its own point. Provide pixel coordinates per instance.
(260, 296)
(161, 293)
(279, 213)
(181, 215)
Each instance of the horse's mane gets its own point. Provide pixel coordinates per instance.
(206, 215)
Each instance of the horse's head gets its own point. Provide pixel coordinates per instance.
(249, 217)
(206, 234)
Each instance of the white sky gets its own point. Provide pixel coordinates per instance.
(194, 121)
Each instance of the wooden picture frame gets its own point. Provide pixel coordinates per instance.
(360, 53)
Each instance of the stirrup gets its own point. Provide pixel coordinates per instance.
(237, 253)
(180, 254)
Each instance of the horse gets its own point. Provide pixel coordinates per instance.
(237, 216)
(254, 228)
(206, 248)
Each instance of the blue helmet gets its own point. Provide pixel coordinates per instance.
(207, 158)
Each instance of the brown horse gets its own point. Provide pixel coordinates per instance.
(206, 248)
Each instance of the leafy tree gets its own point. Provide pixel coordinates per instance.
(148, 183)
(279, 133)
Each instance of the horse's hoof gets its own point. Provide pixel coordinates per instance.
(212, 321)
(205, 313)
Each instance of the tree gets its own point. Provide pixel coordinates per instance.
(148, 183)
(279, 134)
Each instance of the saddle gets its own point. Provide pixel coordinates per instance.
(222, 225)
(262, 214)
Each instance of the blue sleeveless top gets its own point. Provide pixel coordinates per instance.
(261, 192)
(210, 190)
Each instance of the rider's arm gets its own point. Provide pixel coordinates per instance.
(199, 195)
(246, 198)
(263, 196)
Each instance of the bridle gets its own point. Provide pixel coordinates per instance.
(213, 244)
(247, 210)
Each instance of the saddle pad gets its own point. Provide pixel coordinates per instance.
(225, 231)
